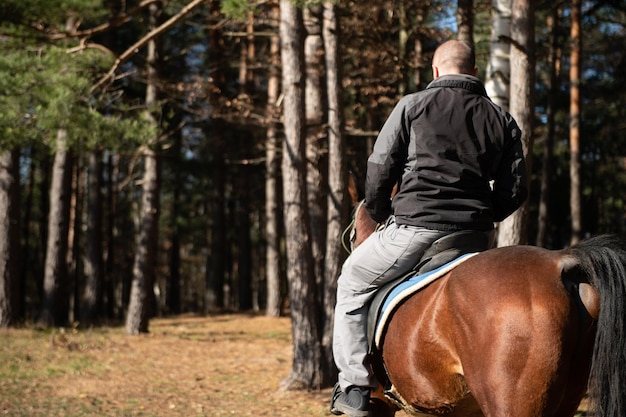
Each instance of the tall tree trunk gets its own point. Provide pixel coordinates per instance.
(219, 250)
(548, 151)
(316, 138)
(242, 213)
(174, 281)
(113, 282)
(498, 68)
(337, 214)
(74, 281)
(305, 371)
(144, 266)
(272, 169)
(465, 21)
(574, 123)
(418, 47)
(111, 303)
(513, 230)
(28, 253)
(9, 236)
(403, 39)
(55, 274)
(93, 262)
(244, 250)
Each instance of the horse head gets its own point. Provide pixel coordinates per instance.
(362, 225)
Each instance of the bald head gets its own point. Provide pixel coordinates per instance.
(454, 57)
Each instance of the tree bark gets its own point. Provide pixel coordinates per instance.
(316, 139)
(513, 230)
(465, 21)
(139, 308)
(53, 312)
(244, 252)
(93, 262)
(305, 371)
(218, 247)
(144, 265)
(74, 282)
(403, 39)
(498, 74)
(337, 214)
(574, 123)
(272, 167)
(548, 151)
(113, 283)
(9, 236)
(174, 282)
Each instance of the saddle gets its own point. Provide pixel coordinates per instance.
(437, 260)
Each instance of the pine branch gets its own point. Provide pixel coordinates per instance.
(133, 49)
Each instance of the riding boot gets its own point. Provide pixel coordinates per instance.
(354, 402)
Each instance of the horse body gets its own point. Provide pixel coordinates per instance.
(500, 335)
(518, 331)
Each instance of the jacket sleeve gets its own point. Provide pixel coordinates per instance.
(385, 164)
(510, 188)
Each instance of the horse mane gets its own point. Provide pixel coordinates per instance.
(603, 261)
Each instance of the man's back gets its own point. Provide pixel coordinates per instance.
(452, 143)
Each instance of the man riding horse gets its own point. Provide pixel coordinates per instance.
(458, 164)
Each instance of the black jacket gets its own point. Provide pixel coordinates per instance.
(443, 146)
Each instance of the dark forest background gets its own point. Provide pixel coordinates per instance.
(139, 142)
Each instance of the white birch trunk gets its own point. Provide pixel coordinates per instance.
(498, 75)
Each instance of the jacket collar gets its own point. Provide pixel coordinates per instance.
(464, 81)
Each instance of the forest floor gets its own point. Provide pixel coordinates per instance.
(215, 366)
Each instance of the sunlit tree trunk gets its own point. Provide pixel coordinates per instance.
(513, 230)
(55, 273)
(574, 124)
(305, 371)
(9, 236)
(548, 151)
(498, 68)
(316, 138)
(272, 169)
(337, 214)
(144, 265)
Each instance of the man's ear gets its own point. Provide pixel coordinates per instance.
(475, 72)
(435, 72)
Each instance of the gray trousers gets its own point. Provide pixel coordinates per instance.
(385, 255)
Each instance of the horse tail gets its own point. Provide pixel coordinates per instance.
(603, 260)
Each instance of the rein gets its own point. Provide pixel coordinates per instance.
(350, 230)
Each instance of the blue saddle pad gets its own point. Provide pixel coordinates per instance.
(405, 288)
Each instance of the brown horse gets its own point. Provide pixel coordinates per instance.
(517, 331)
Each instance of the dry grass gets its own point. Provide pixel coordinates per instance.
(219, 366)
(227, 365)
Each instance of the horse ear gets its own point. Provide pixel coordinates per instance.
(356, 194)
